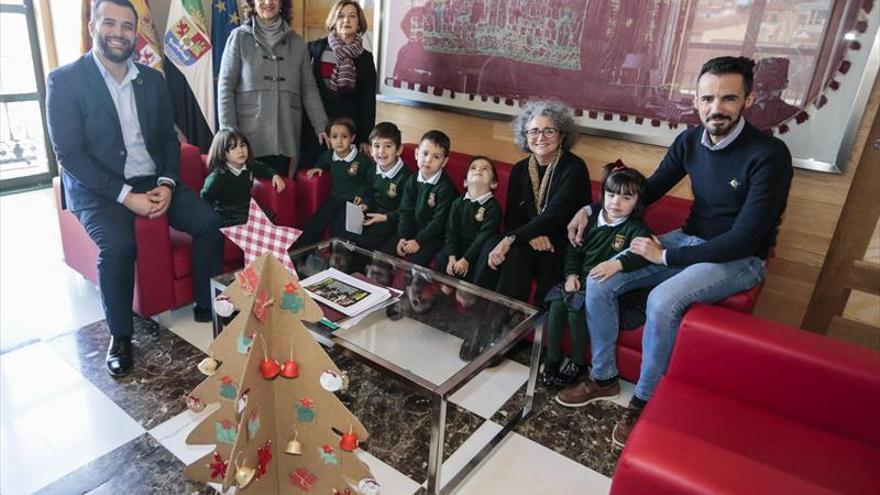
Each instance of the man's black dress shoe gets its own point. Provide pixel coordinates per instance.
(202, 315)
(120, 359)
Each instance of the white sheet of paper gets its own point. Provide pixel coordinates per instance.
(354, 218)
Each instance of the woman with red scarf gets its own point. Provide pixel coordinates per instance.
(346, 76)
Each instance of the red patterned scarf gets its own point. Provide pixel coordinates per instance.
(344, 75)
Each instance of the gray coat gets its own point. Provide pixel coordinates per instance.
(262, 91)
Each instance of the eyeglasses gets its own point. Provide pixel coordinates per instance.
(548, 132)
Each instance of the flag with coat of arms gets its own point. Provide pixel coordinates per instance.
(189, 71)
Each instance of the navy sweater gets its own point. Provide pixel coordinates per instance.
(739, 192)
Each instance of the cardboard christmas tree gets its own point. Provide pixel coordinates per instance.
(279, 428)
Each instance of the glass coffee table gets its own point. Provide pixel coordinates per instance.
(437, 335)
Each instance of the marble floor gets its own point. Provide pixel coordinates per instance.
(67, 427)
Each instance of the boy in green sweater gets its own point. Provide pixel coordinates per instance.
(350, 171)
(473, 219)
(604, 252)
(387, 182)
(424, 208)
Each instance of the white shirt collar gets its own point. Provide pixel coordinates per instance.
(349, 157)
(602, 223)
(391, 173)
(724, 143)
(130, 75)
(433, 180)
(482, 199)
(237, 171)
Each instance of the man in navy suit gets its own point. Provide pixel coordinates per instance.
(110, 121)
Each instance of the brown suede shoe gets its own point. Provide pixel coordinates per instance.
(625, 425)
(586, 391)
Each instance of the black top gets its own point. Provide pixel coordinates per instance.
(359, 105)
(740, 193)
(568, 190)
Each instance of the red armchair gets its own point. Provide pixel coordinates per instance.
(162, 270)
(662, 216)
(751, 406)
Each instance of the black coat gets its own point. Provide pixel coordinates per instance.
(359, 105)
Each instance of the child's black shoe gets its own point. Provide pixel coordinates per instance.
(570, 373)
(549, 373)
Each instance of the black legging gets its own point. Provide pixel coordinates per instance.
(514, 277)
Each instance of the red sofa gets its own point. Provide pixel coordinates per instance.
(751, 406)
(162, 270)
(662, 216)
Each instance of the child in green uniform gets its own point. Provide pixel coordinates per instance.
(387, 183)
(424, 208)
(604, 252)
(473, 219)
(228, 187)
(350, 171)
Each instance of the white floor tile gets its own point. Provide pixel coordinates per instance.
(520, 466)
(392, 481)
(173, 432)
(489, 390)
(200, 335)
(52, 420)
(468, 450)
(48, 296)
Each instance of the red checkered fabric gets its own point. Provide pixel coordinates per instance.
(260, 236)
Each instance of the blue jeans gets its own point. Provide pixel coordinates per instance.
(675, 289)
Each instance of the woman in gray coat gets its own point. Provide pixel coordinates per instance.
(264, 84)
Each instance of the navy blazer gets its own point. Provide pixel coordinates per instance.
(87, 137)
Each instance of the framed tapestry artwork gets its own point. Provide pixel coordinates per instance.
(629, 67)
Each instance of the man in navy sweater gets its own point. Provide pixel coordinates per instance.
(740, 179)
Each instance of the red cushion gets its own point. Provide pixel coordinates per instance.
(182, 254)
(689, 440)
(192, 167)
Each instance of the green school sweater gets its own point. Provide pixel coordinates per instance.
(424, 209)
(603, 243)
(224, 190)
(350, 179)
(384, 195)
(470, 225)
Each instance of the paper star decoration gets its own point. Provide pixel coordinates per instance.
(259, 236)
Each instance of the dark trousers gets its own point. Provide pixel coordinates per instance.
(330, 214)
(514, 277)
(112, 229)
(377, 237)
(280, 163)
(558, 316)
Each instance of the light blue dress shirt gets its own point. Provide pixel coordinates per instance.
(138, 162)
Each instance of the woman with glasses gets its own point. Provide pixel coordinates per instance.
(544, 190)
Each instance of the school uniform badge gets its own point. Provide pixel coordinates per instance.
(432, 200)
(353, 168)
(481, 214)
(734, 183)
(392, 190)
(619, 241)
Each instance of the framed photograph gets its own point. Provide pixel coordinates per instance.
(629, 68)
